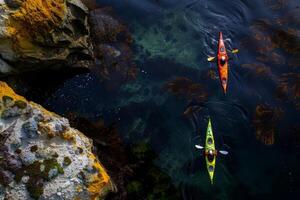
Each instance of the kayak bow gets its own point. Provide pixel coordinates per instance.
(223, 67)
(210, 145)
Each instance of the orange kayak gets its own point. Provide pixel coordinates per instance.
(223, 66)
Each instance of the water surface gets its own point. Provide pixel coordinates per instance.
(172, 38)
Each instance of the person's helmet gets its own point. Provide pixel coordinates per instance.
(223, 58)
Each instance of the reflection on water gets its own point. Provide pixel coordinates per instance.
(156, 130)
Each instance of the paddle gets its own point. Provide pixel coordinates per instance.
(209, 59)
(199, 147)
(235, 51)
(223, 152)
(212, 58)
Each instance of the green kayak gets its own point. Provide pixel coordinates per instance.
(210, 146)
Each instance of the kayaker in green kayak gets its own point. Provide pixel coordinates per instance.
(210, 151)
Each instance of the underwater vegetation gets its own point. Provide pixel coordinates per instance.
(183, 87)
(259, 70)
(149, 181)
(169, 38)
(276, 44)
(289, 88)
(132, 167)
(265, 122)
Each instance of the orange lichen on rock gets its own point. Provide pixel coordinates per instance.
(99, 181)
(68, 135)
(5, 90)
(39, 15)
(33, 21)
(265, 121)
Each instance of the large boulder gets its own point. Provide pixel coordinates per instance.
(42, 157)
(43, 33)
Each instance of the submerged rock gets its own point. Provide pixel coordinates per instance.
(43, 33)
(39, 155)
(112, 48)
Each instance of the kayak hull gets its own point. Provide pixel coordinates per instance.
(223, 68)
(210, 145)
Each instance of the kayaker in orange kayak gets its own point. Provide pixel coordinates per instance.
(222, 60)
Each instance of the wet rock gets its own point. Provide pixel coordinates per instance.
(40, 167)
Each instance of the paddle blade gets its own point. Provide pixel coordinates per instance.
(235, 51)
(209, 59)
(199, 147)
(223, 152)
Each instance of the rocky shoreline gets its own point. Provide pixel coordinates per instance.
(41, 156)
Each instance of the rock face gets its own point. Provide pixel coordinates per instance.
(42, 157)
(36, 33)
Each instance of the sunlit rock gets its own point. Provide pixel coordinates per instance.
(42, 157)
(43, 33)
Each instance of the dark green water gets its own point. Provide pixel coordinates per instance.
(173, 39)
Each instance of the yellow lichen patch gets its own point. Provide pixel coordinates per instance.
(100, 181)
(33, 20)
(45, 129)
(40, 15)
(43, 110)
(48, 129)
(68, 135)
(5, 90)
